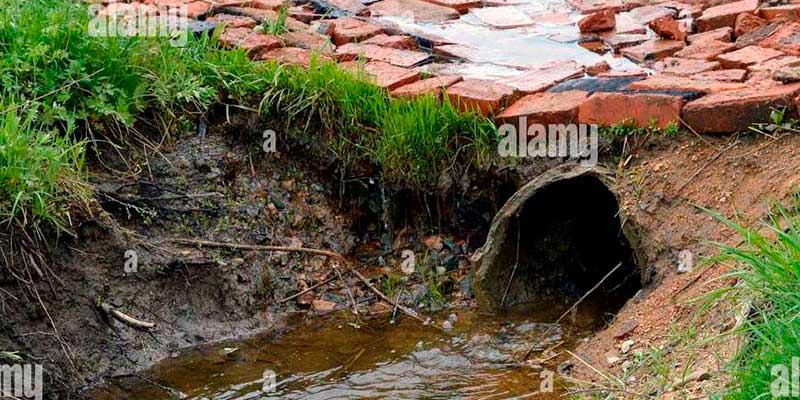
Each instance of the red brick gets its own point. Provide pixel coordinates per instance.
(788, 12)
(545, 108)
(652, 50)
(638, 73)
(599, 21)
(727, 75)
(776, 64)
(291, 56)
(647, 14)
(249, 40)
(626, 25)
(197, 8)
(265, 4)
(746, 22)
(591, 6)
(461, 6)
(432, 86)
(401, 58)
(734, 111)
(747, 56)
(354, 7)
(553, 19)
(671, 29)
(261, 16)
(232, 21)
(417, 10)
(401, 42)
(725, 15)
(684, 66)
(503, 17)
(598, 68)
(664, 82)
(541, 79)
(482, 97)
(785, 39)
(348, 30)
(705, 50)
(385, 75)
(308, 40)
(304, 13)
(641, 109)
(721, 35)
(617, 42)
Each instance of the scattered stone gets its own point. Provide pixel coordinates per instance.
(612, 358)
(503, 17)
(597, 68)
(323, 306)
(249, 40)
(483, 97)
(705, 50)
(725, 14)
(414, 10)
(736, 110)
(678, 83)
(452, 318)
(652, 50)
(545, 108)
(400, 58)
(671, 29)
(727, 75)
(747, 56)
(626, 346)
(539, 80)
(684, 66)
(349, 30)
(385, 75)
(433, 85)
(626, 329)
(685, 261)
(402, 42)
(641, 109)
(786, 39)
(447, 326)
(746, 23)
(721, 35)
(599, 21)
(647, 14)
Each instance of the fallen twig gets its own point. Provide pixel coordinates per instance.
(125, 318)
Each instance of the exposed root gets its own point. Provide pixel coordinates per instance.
(125, 318)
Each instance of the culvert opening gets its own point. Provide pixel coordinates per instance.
(564, 238)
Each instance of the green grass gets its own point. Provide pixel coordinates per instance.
(769, 282)
(68, 84)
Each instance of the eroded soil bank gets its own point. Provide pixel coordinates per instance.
(220, 187)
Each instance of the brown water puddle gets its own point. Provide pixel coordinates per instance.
(333, 358)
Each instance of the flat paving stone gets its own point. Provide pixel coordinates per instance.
(291, 56)
(503, 17)
(539, 80)
(248, 40)
(617, 42)
(480, 96)
(647, 14)
(733, 111)
(640, 109)
(724, 34)
(678, 83)
(349, 30)
(705, 50)
(385, 75)
(401, 58)
(402, 42)
(775, 64)
(414, 10)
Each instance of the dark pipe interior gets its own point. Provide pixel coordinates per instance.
(569, 239)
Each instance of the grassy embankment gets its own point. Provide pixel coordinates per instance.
(61, 89)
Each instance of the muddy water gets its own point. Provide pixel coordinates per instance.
(334, 357)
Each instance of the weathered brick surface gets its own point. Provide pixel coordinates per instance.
(723, 34)
(503, 17)
(785, 39)
(232, 21)
(401, 58)
(545, 108)
(385, 75)
(482, 97)
(394, 41)
(461, 6)
(705, 50)
(664, 82)
(684, 66)
(747, 56)
(725, 14)
(291, 56)
(248, 39)
(788, 12)
(652, 50)
(416, 9)
(348, 30)
(725, 75)
(747, 23)
(641, 109)
(599, 21)
(541, 79)
(617, 42)
(733, 111)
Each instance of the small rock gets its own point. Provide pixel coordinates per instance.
(447, 326)
(323, 306)
(626, 329)
(787, 75)
(685, 261)
(626, 365)
(452, 318)
(612, 358)
(565, 368)
(626, 346)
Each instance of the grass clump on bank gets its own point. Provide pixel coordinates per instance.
(122, 88)
(769, 284)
